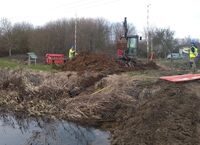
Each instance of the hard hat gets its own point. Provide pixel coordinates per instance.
(194, 42)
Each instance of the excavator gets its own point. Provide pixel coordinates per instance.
(127, 47)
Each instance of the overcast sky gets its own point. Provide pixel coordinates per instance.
(182, 16)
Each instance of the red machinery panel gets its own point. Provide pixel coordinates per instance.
(181, 78)
(54, 58)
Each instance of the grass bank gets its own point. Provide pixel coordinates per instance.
(15, 64)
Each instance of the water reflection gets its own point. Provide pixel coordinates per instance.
(15, 130)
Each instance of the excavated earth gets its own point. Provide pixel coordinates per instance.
(137, 108)
(102, 63)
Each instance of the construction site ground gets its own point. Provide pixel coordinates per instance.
(132, 103)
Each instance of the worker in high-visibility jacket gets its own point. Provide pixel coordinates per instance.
(72, 53)
(193, 54)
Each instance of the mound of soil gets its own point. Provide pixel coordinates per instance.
(99, 62)
(91, 62)
(170, 116)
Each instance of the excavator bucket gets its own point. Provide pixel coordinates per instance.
(181, 78)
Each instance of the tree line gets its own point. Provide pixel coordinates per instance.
(93, 35)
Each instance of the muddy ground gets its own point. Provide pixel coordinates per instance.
(135, 106)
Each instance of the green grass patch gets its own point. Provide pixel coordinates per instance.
(15, 64)
(5, 63)
(174, 64)
(176, 67)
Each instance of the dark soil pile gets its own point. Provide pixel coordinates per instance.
(99, 62)
(91, 62)
(170, 116)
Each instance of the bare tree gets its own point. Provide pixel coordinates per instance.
(163, 41)
(21, 37)
(93, 34)
(96, 35)
(6, 35)
(118, 30)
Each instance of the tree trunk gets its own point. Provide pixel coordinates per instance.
(10, 52)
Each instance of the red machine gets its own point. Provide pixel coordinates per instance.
(54, 58)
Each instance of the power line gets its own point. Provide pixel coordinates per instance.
(77, 6)
(75, 3)
(86, 4)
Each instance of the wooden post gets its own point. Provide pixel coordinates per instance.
(29, 59)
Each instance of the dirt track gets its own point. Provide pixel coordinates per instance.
(138, 108)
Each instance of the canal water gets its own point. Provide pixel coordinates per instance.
(36, 131)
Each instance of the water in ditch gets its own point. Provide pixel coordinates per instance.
(37, 131)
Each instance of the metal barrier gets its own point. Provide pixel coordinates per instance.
(54, 58)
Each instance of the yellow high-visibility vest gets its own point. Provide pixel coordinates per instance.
(71, 53)
(193, 54)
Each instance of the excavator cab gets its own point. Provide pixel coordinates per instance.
(132, 46)
(129, 45)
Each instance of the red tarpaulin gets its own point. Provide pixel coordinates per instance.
(181, 78)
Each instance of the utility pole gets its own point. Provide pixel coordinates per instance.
(148, 30)
(75, 32)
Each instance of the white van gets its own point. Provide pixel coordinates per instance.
(174, 56)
